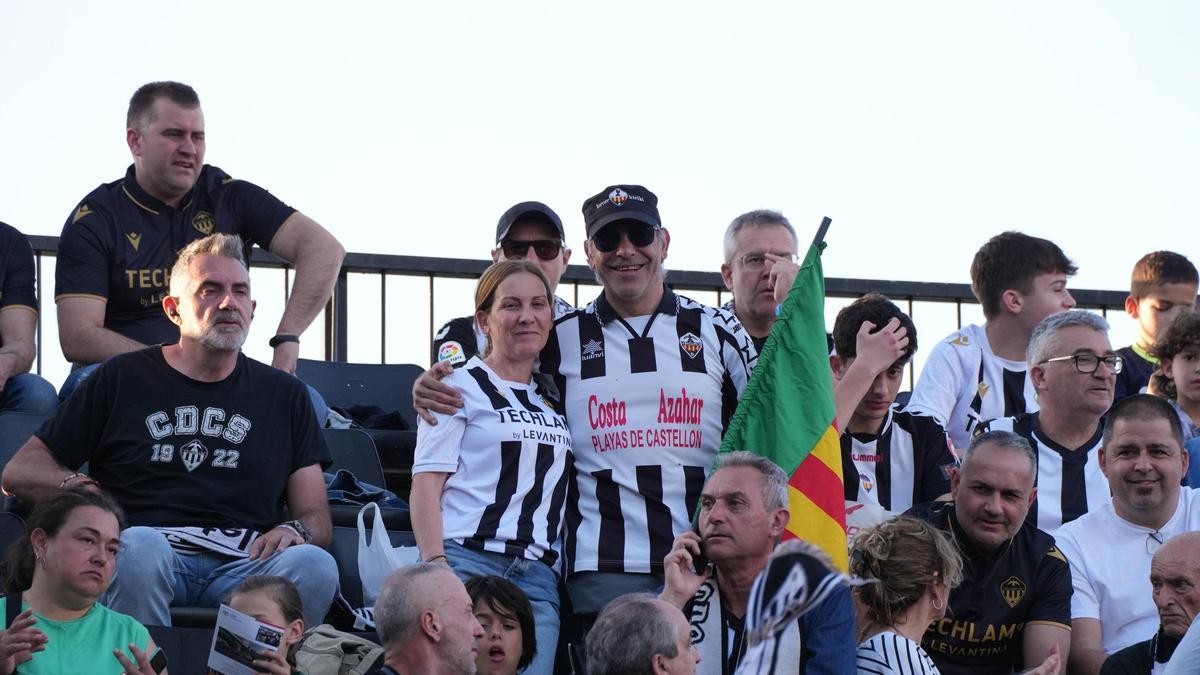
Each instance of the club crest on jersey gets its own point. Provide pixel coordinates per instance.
(867, 483)
(451, 351)
(592, 349)
(1013, 589)
(690, 344)
(193, 454)
(204, 223)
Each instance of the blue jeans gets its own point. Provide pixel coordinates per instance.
(78, 375)
(538, 581)
(28, 393)
(151, 576)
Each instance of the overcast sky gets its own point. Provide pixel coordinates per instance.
(921, 128)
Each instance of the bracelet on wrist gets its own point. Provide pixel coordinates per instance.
(282, 338)
(433, 558)
(72, 476)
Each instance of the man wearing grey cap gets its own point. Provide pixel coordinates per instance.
(528, 231)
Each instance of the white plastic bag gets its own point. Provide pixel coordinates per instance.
(379, 558)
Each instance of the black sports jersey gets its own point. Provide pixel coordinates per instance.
(16, 271)
(1135, 372)
(907, 463)
(1027, 582)
(120, 243)
(459, 339)
(647, 400)
(1069, 480)
(174, 451)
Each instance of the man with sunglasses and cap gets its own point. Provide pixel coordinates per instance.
(648, 381)
(527, 231)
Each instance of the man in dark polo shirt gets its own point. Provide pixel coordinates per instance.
(1014, 603)
(20, 390)
(120, 242)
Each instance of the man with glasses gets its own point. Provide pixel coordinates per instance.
(648, 381)
(1074, 370)
(1110, 548)
(528, 231)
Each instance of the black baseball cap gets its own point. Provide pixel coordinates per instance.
(620, 202)
(520, 211)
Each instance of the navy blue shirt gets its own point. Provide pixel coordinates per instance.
(1134, 375)
(16, 271)
(120, 243)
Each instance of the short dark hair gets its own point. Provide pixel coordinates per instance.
(1181, 334)
(143, 100)
(1158, 268)
(49, 515)
(510, 602)
(627, 635)
(878, 310)
(1010, 261)
(1141, 406)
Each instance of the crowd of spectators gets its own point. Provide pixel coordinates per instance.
(1030, 508)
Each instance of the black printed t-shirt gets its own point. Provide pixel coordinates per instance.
(16, 271)
(119, 244)
(174, 451)
(1028, 581)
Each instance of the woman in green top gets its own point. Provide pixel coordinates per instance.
(58, 569)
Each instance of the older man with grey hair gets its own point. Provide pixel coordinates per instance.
(638, 633)
(426, 622)
(1073, 369)
(1013, 606)
(743, 512)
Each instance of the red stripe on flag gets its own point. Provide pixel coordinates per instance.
(821, 485)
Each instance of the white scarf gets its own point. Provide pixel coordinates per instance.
(710, 637)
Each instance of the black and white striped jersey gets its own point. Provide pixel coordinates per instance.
(509, 454)
(1069, 480)
(890, 653)
(964, 383)
(907, 463)
(647, 399)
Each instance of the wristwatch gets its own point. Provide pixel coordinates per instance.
(299, 528)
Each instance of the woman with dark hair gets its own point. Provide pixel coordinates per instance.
(489, 481)
(509, 641)
(57, 570)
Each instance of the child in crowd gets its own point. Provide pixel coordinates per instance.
(509, 642)
(1163, 285)
(890, 458)
(1178, 351)
(979, 372)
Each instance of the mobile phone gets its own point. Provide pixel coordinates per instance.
(700, 562)
(159, 661)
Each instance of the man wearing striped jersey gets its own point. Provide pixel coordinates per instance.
(1013, 606)
(527, 231)
(649, 381)
(890, 457)
(1073, 370)
(979, 372)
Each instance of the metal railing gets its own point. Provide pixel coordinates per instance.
(338, 323)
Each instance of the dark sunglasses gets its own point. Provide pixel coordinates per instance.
(517, 249)
(609, 237)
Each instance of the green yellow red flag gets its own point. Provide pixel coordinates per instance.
(787, 414)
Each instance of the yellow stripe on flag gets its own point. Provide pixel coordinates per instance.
(819, 528)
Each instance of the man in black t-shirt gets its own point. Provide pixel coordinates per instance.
(20, 390)
(204, 448)
(119, 244)
(1014, 603)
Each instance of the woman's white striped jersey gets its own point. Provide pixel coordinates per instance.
(892, 654)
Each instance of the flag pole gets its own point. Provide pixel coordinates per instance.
(821, 230)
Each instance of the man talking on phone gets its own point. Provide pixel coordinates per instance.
(743, 512)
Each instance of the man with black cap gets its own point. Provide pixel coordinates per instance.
(528, 231)
(648, 381)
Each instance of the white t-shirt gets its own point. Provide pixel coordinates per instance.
(506, 451)
(1110, 568)
(893, 654)
(964, 383)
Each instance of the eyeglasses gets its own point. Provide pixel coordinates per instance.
(1090, 363)
(757, 261)
(518, 249)
(609, 237)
